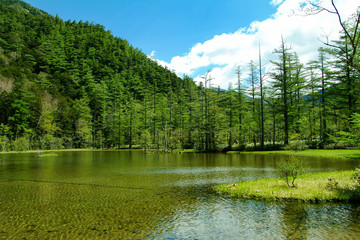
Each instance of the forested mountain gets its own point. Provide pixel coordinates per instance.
(73, 83)
(68, 84)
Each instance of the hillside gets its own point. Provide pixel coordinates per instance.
(71, 82)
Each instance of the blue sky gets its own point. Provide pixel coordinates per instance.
(194, 36)
(168, 27)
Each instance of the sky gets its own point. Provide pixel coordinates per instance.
(195, 36)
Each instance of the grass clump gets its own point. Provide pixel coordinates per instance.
(318, 187)
(42, 155)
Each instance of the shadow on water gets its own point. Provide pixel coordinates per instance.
(294, 217)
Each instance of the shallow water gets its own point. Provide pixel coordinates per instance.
(131, 195)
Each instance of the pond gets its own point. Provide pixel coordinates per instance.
(132, 195)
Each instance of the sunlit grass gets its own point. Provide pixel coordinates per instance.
(42, 155)
(338, 153)
(309, 188)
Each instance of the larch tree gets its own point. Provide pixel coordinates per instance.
(262, 120)
(282, 83)
(240, 104)
(253, 81)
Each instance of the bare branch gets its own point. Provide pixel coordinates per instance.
(316, 8)
(342, 24)
(355, 36)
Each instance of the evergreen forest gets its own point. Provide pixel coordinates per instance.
(70, 85)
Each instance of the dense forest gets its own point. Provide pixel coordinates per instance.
(68, 84)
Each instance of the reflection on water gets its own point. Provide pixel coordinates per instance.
(122, 195)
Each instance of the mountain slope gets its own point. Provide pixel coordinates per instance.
(66, 80)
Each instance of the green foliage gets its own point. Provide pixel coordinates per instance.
(145, 140)
(74, 85)
(85, 74)
(291, 168)
(4, 140)
(82, 115)
(48, 142)
(296, 145)
(356, 176)
(351, 137)
(4, 144)
(21, 144)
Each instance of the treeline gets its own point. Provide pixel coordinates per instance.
(74, 85)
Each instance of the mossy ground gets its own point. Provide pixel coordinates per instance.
(318, 187)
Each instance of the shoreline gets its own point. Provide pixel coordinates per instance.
(325, 153)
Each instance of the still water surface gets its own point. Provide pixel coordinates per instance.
(132, 195)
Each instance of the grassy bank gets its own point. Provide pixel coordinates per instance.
(70, 150)
(338, 153)
(318, 187)
(343, 153)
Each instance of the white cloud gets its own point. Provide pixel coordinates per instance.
(227, 51)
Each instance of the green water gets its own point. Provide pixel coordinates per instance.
(131, 195)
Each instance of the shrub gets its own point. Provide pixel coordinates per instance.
(334, 146)
(349, 138)
(290, 169)
(267, 147)
(21, 144)
(48, 142)
(332, 183)
(297, 146)
(239, 147)
(313, 144)
(356, 175)
(273, 147)
(4, 144)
